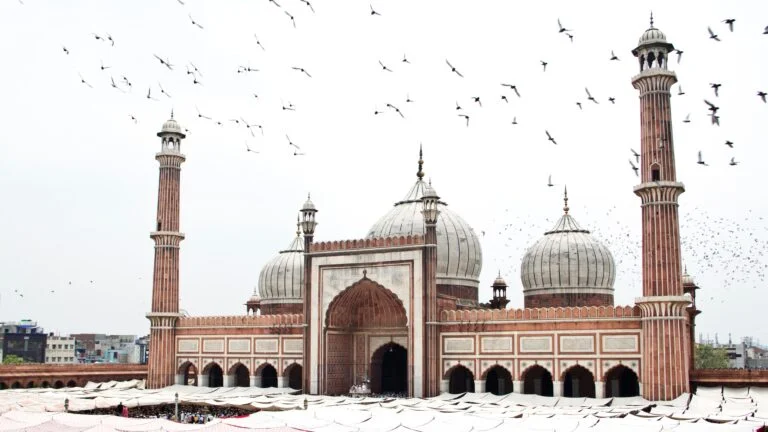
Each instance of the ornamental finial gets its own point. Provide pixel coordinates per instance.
(171, 113)
(420, 173)
(651, 19)
(565, 199)
(298, 226)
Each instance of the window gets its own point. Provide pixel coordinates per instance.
(655, 173)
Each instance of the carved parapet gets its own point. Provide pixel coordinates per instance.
(368, 243)
(530, 314)
(288, 320)
(663, 306)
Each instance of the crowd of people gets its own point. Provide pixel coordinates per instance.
(188, 413)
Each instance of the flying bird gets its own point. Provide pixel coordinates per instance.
(373, 12)
(514, 120)
(200, 115)
(729, 143)
(102, 67)
(458, 107)
(733, 162)
(477, 99)
(164, 62)
(293, 21)
(248, 148)
(712, 106)
(259, 43)
(730, 22)
(570, 36)
(716, 87)
(149, 94)
(408, 98)
(634, 168)
(612, 100)
(405, 59)
(579, 105)
(109, 38)
(504, 98)
(290, 143)
(249, 126)
(302, 70)
(513, 87)
(680, 91)
(636, 155)
(687, 118)
(715, 119)
(114, 85)
(466, 117)
(613, 56)
(384, 67)
(453, 69)
(561, 28)
(589, 96)
(396, 109)
(549, 181)
(194, 23)
(701, 161)
(762, 95)
(276, 3)
(133, 118)
(712, 34)
(679, 55)
(308, 4)
(549, 137)
(162, 90)
(82, 80)
(544, 65)
(66, 51)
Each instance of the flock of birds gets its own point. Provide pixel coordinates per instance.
(705, 249)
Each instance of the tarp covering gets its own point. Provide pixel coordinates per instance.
(711, 409)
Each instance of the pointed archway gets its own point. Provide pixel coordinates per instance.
(188, 371)
(215, 375)
(538, 381)
(498, 381)
(578, 382)
(358, 310)
(293, 373)
(621, 381)
(268, 375)
(240, 376)
(461, 380)
(389, 369)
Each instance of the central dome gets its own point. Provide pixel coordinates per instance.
(459, 256)
(568, 267)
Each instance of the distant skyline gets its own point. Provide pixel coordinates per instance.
(79, 179)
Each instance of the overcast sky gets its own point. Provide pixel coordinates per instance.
(78, 179)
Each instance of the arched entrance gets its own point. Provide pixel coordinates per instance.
(268, 376)
(31, 384)
(537, 380)
(293, 372)
(71, 383)
(363, 308)
(389, 369)
(498, 381)
(621, 381)
(16, 385)
(241, 376)
(45, 384)
(189, 374)
(461, 380)
(578, 382)
(58, 385)
(215, 376)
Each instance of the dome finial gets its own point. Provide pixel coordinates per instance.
(298, 226)
(420, 173)
(565, 199)
(171, 113)
(652, 19)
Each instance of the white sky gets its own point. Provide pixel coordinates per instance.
(78, 179)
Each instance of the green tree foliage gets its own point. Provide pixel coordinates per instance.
(12, 359)
(709, 357)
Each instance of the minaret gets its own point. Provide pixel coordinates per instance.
(665, 363)
(431, 360)
(165, 282)
(308, 225)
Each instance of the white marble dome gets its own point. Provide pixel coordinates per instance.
(171, 126)
(459, 256)
(568, 260)
(282, 278)
(652, 35)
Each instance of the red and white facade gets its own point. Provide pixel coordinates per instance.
(399, 307)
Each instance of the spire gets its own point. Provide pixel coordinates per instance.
(298, 226)
(652, 19)
(420, 173)
(565, 199)
(171, 113)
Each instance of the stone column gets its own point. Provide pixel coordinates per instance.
(444, 386)
(599, 389)
(229, 381)
(479, 386)
(255, 381)
(517, 387)
(282, 382)
(557, 388)
(180, 379)
(202, 380)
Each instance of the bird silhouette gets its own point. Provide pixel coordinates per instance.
(712, 107)
(549, 137)
(114, 85)
(701, 160)
(384, 67)
(636, 155)
(164, 62)
(733, 162)
(373, 12)
(408, 98)
(613, 56)
(248, 148)
(544, 65)
(83, 81)
(612, 100)
(762, 95)
(290, 143)
(302, 70)
(200, 115)
(453, 69)
(716, 88)
(715, 119)
(579, 105)
(729, 143)
(389, 105)
(102, 67)
(477, 99)
(162, 90)
(712, 34)
(458, 107)
(634, 168)
(259, 43)
(466, 117)
(512, 87)
(730, 22)
(405, 59)
(570, 36)
(549, 181)
(561, 29)
(514, 120)
(293, 20)
(66, 51)
(275, 2)
(680, 91)
(589, 96)
(194, 23)
(504, 98)
(149, 94)
(679, 55)
(308, 5)
(687, 118)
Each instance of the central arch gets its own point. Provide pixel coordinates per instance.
(293, 372)
(188, 371)
(359, 310)
(389, 369)
(268, 375)
(578, 382)
(215, 375)
(240, 376)
(461, 380)
(537, 380)
(498, 380)
(621, 381)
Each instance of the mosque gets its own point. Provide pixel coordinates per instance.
(399, 311)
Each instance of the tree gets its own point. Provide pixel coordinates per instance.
(12, 359)
(709, 357)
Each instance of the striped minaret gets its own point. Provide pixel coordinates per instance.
(665, 344)
(165, 282)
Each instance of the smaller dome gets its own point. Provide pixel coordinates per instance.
(499, 281)
(308, 205)
(652, 35)
(430, 192)
(688, 279)
(254, 298)
(171, 126)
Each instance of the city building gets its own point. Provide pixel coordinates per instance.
(103, 348)
(398, 309)
(60, 349)
(24, 339)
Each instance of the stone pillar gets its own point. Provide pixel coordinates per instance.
(202, 380)
(599, 389)
(229, 381)
(255, 381)
(282, 382)
(444, 386)
(180, 379)
(432, 361)
(557, 388)
(517, 387)
(479, 386)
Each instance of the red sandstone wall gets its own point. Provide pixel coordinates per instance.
(568, 300)
(282, 308)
